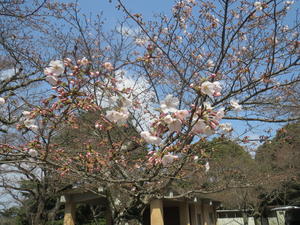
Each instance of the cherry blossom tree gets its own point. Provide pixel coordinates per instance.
(158, 94)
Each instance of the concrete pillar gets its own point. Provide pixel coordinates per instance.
(184, 214)
(204, 215)
(156, 212)
(70, 210)
(194, 219)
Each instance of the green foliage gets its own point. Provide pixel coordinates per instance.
(224, 148)
(281, 156)
(90, 215)
(283, 151)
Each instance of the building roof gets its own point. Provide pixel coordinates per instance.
(285, 208)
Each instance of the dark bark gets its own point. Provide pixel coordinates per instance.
(132, 215)
(53, 212)
(39, 213)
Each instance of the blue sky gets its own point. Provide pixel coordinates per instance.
(111, 14)
(147, 7)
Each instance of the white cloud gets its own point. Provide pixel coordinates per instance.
(128, 31)
(8, 73)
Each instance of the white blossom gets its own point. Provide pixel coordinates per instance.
(179, 39)
(118, 116)
(258, 6)
(207, 105)
(191, 1)
(211, 88)
(169, 104)
(196, 158)
(165, 30)
(84, 61)
(33, 153)
(181, 114)
(202, 128)
(244, 49)
(210, 63)
(207, 167)
(26, 114)
(174, 124)
(140, 41)
(219, 114)
(151, 139)
(285, 28)
(167, 159)
(108, 66)
(2, 101)
(226, 127)
(56, 68)
(30, 124)
(289, 2)
(117, 202)
(235, 105)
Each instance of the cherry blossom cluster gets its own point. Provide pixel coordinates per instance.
(55, 69)
(155, 158)
(182, 11)
(29, 121)
(120, 103)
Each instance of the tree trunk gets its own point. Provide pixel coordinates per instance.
(53, 212)
(127, 213)
(245, 218)
(38, 215)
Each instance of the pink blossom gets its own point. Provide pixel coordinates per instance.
(98, 126)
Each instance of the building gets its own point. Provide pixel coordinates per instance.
(184, 211)
(285, 215)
